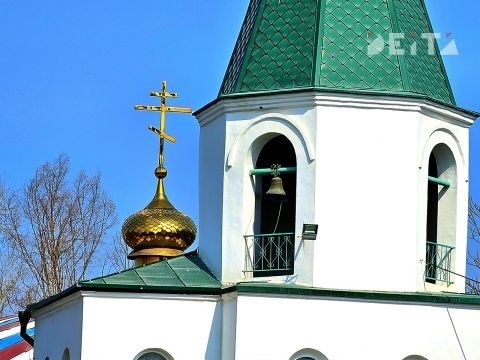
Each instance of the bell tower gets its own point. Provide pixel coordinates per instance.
(365, 136)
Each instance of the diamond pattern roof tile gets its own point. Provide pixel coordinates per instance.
(350, 26)
(425, 67)
(336, 45)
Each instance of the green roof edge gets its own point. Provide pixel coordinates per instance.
(438, 298)
(437, 50)
(253, 35)
(271, 289)
(335, 91)
(230, 61)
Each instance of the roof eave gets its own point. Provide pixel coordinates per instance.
(272, 289)
(470, 113)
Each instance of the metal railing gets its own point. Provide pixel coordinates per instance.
(438, 263)
(269, 254)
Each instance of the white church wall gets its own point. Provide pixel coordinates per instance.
(212, 153)
(186, 327)
(57, 327)
(249, 125)
(229, 326)
(271, 327)
(361, 176)
(371, 194)
(366, 193)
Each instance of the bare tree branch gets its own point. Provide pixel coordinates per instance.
(55, 227)
(116, 256)
(473, 257)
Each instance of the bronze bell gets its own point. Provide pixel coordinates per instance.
(276, 187)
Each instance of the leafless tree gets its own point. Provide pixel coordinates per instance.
(473, 257)
(54, 227)
(8, 282)
(115, 258)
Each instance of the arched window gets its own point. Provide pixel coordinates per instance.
(441, 215)
(415, 357)
(432, 220)
(156, 354)
(308, 354)
(66, 354)
(267, 217)
(152, 356)
(271, 248)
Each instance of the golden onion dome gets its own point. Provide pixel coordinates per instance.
(158, 231)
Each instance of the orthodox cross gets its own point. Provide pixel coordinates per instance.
(163, 109)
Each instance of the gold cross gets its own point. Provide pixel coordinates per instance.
(163, 109)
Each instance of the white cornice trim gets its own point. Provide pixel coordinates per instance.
(139, 296)
(293, 100)
(57, 305)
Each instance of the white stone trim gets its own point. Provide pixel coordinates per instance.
(271, 120)
(275, 101)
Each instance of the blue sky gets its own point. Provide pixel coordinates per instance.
(70, 72)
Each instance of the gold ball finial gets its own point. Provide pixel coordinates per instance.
(160, 172)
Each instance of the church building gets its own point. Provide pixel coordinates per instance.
(333, 207)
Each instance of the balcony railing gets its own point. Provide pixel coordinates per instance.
(269, 254)
(438, 263)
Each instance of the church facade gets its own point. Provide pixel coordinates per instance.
(357, 247)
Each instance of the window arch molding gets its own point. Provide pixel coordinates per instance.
(153, 354)
(276, 125)
(444, 136)
(308, 353)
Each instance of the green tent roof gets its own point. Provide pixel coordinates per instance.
(336, 45)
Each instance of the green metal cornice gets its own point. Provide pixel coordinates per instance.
(404, 297)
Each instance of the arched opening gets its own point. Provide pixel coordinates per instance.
(66, 354)
(441, 215)
(308, 354)
(432, 220)
(270, 250)
(415, 357)
(156, 354)
(268, 218)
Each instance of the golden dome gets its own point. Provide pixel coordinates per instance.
(158, 231)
